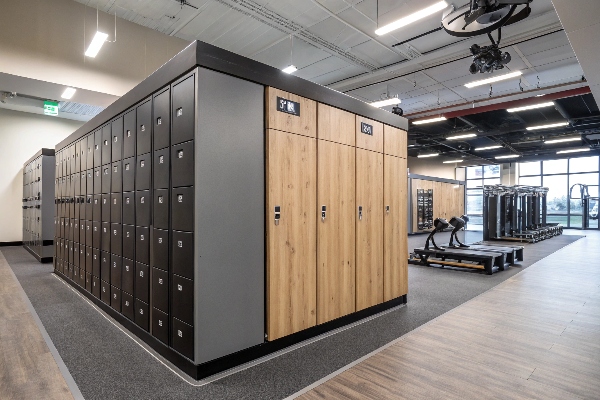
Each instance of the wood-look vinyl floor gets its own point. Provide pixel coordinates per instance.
(27, 368)
(534, 336)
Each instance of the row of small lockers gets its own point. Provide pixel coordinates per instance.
(128, 293)
(32, 172)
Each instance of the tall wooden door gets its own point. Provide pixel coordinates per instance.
(291, 245)
(369, 228)
(395, 262)
(336, 231)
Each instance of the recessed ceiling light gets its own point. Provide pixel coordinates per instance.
(386, 102)
(96, 44)
(533, 128)
(532, 107)
(68, 93)
(409, 19)
(494, 79)
(451, 161)
(571, 139)
(290, 69)
(429, 121)
(507, 156)
(488, 148)
(573, 150)
(428, 155)
(540, 95)
(463, 136)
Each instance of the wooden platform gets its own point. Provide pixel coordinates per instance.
(543, 343)
(27, 367)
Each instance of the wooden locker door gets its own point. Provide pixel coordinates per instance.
(291, 245)
(369, 229)
(336, 232)
(395, 265)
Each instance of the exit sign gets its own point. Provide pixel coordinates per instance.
(50, 108)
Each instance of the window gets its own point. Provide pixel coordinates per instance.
(555, 167)
(475, 182)
(530, 168)
(583, 164)
(531, 181)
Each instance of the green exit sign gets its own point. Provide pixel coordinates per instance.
(50, 108)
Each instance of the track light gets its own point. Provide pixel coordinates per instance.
(571, 139)
(549, 126)
(409, 19)
(573, 151)
(494, 79)
(463, 136)
(532, 107)
(488, 148)
(96, 44)
(429, 121)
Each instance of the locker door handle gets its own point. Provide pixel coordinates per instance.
(360, 213)
(323, 212)
(277, 214)
(387, 209)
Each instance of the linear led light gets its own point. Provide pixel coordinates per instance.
(68, 93)
(573, 150)
(488, 148)
(494, 79)
(531, 107)
(507, 156)
(429, 121)
(409, 19)
(464, 136)
(428, 155)
(290, 69)
(571, 139)
(451, 161)
(96, 44)
(386, 102)
(533, 128)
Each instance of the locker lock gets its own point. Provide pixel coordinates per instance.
(323, 211)
(360, 213)
(179, 111)
(158, 121)
(387, 209)
(277, 214)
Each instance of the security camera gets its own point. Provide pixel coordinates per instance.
(397, 110)
(488, 59)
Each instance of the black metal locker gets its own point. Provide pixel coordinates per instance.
(77, 156)
(116, 265)
(182, 250)
(76, 184)
(182, 164)
(88, 259)
(183, 338)
(161, 168)
(143, 172)
(82, 232)
(106, 178)
(89, 231)
(98, 180)
(76, 254)
(160, 326)
(128, 179)
(83, 154)
(182, 299)
(96, 255)
(106, 144)
(161, 119)
(128, 208)
(182, 203)
(116, 180)
(105, 237)
(128, 249)
(89, 181)
(116, 200)
(116, 240)
(142, 282)
(142, 245)
(144, 127)
(105, 207)
(105, 266)
(89, 158)
(142, 318)
(88, 282)
(127, 306)
(115, 298)
(75, 232)
(127, 276)
(160, 289)
(96, 286)
(160, 249)
(97, 148)
(105, 292)
(82, 258)
(183, 111)
(161, 209)
(117, 139)
(142, 208)
(97, 207)
(129, 134)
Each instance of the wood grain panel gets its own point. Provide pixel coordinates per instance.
(305, 124)
(448, 199)
(336, 234)
(394, 141)
(369, 229)
(369, 142)
(291, 245)
(395, 249)
(335, 125)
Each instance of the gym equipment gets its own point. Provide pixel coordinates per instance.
(458, 224)
(516, 213)
(439, 225)
(586, 200)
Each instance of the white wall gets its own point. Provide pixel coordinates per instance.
(431, 167)
(21, 136)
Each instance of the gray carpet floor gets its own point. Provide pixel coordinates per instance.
(106, 364)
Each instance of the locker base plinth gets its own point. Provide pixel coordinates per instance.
(40, 259)
(207, 369)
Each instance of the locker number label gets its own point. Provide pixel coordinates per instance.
(288, 106)
(366, 129)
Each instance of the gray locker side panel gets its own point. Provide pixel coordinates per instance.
(47, 199)
(229, 225)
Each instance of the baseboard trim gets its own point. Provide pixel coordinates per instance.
(6, 244)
